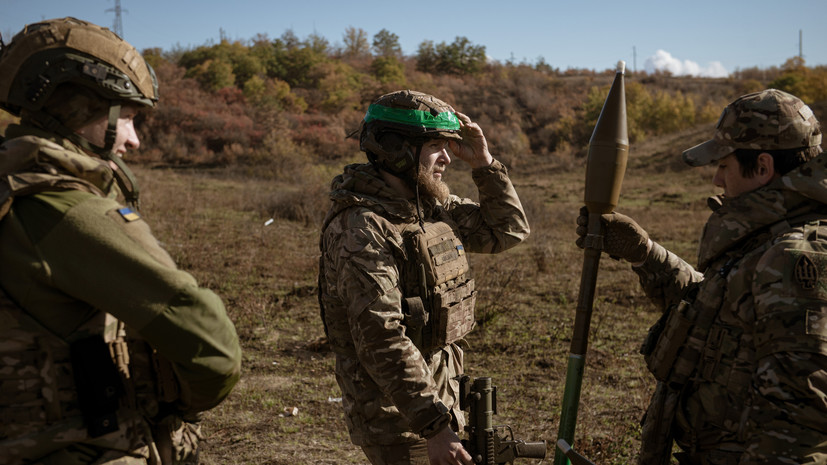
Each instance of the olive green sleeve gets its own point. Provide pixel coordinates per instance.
(98, 253)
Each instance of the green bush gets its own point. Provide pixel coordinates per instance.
(458, 57)
(388, 70)
(808, 84)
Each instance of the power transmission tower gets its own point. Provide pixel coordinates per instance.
(117, 25)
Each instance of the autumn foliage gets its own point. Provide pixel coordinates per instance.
(274, 102)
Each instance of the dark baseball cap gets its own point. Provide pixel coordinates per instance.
(766, 120)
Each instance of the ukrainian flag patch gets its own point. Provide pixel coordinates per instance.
(128, 214)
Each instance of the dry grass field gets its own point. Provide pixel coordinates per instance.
(285, 409)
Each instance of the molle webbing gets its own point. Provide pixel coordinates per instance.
(439, 295)
(41, 394)
(675, 356)
(36, 383)
(692, 344)
(686, 344)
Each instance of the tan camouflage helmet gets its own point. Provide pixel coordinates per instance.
(766, 120)
(413, 114)
(68, 50)
(396, 125)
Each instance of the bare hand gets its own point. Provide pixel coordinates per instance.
(446, 449)
(473, 148)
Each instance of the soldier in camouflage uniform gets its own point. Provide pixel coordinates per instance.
(108, 352)
(740, 353)
(394, 287)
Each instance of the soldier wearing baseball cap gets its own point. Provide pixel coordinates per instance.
(768, 120)
(740, 353)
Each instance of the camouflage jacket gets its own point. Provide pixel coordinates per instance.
(391, 392)
(758, 390)
(71, 253)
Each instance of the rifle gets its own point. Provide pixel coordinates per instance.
(487, 442)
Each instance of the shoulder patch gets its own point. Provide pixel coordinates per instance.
(129, 214)
(806, 273)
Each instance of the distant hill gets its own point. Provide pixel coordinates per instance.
(268, 103)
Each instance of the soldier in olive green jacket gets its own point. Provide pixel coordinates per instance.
(109, 352)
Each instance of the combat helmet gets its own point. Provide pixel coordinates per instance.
(397, 124)
(47, 54)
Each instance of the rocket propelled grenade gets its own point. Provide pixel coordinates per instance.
(606, 164)
(608, 150)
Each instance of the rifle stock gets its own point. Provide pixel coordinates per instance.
(487, 442)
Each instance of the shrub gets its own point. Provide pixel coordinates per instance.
(213, 75)
(340, 86)
(459, 57)
(808, 84)
(652, 112)
(272, 94)
(388, 70)
(193, 126)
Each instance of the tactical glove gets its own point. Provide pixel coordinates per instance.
(622, 237)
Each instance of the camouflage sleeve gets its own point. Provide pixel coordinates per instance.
(664, 276)
(367, 279)
(788, 418)
(498, 222)
(106, 258)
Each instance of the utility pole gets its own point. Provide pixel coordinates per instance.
(634, 58)
(117, 25)
(801, 45)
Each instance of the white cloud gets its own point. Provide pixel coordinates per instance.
(664, 61)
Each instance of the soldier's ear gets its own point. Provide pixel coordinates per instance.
(765, 169)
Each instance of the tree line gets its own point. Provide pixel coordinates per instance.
(269, 102)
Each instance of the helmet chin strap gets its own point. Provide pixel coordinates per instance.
(123, 175)
(419, 212)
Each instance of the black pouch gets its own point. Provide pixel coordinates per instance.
(98, 384)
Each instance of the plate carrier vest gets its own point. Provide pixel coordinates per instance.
(438, 291)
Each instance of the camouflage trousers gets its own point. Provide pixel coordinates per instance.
(411, 453)
(177, 444)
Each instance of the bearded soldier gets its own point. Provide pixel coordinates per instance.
(740, 353)
(395, 290)
(108, 352)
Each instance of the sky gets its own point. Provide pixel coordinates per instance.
(698, 37)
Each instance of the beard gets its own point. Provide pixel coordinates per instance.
(431, 188)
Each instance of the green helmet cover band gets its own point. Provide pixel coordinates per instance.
(445, 121)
